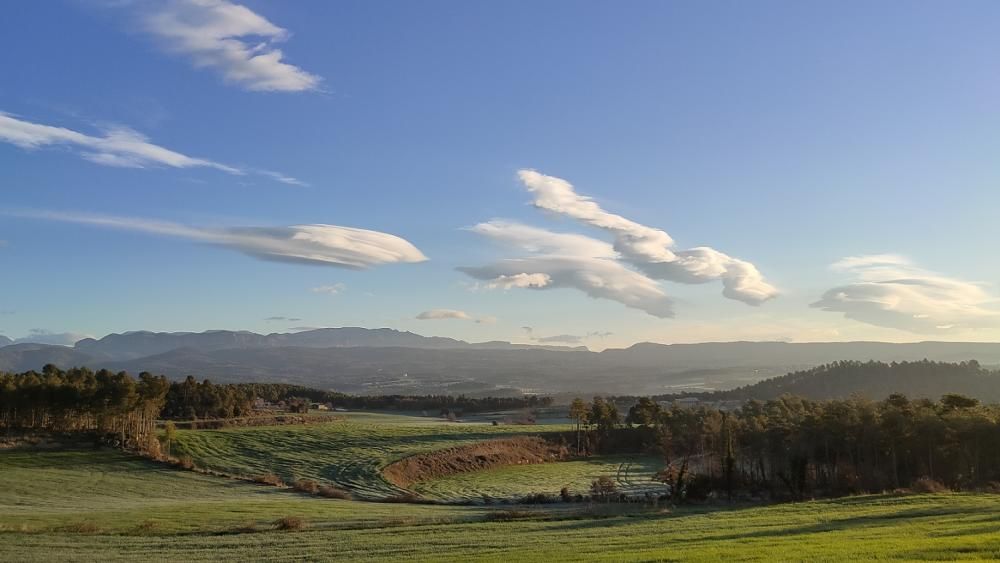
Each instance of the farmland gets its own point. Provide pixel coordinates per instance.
(84, 505)
(348, 451)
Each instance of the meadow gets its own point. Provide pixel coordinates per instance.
(88, 505)
(349, 451)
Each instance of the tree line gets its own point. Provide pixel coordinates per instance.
(79, 399)
(877, 380)
(793, 447)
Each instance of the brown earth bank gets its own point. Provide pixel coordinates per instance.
(520, 450)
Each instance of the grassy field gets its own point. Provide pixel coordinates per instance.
(104, 506)
(548, 478)
(349, 452)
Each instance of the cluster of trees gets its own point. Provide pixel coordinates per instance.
(113, 404)
(800, 448)
(81, 399)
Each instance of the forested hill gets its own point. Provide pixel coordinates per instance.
(877, 380)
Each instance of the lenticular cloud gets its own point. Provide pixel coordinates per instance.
(627, 271)
(327, 245)
(649, 249)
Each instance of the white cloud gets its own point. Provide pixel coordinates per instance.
(328, 245)
(329, 289)
(890, 291)
(119, 147)
(649, 249)
(441, 314)
(454, 314)
(521, 280)
(42, 336)
(560, 260)
(231, 39)
(560, 338)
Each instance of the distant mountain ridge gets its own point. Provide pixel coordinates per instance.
(132, 345)
(362, 360)
(4, 341)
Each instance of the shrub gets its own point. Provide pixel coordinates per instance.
(290, 523)
(185, 462)
(565, 495)
(928, 485)
(603, 487)
(329, 491)
(269, 479)
(306, 486)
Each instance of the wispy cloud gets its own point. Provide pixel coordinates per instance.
(330, 289)
(560, 338)
(442, 314)
(119, 146)
(890, 291)
(229, 38)
(453, 314)
(282, 319)
(649, 249)
(328, 245)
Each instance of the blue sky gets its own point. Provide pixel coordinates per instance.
(784, 136)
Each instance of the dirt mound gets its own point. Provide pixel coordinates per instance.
(474, 457)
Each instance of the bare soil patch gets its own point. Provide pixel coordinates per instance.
(473, 457)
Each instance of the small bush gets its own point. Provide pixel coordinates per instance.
(269, 479)
(565, 495)
(186, 462)
(603, 487)
(290, 523)
(928, 485)
(306, 486)
(329, 491)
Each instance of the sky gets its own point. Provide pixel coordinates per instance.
(561, 172)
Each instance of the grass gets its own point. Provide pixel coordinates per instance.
(349, 453)
(103, 505)
(549, 478)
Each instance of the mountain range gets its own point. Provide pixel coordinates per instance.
(359, 360)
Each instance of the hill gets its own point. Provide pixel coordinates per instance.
(877, 380)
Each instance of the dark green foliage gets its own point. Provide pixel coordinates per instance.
(797, 448)
(876, 380)
(119, 407)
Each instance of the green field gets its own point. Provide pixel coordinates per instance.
(632, 474)
(90, 505)
(349, 452)
(104, 506)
